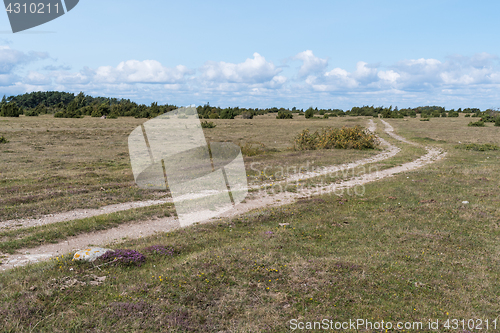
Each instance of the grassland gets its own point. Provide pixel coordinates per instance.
(54, 164)
(408, 250)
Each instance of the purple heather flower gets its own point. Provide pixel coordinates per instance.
(160, 249)
(124, 256)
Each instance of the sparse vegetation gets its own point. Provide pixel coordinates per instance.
(207, 124)
(407, 245)
(284, 115)
(478, 147)
(479, 123)
(329, 138)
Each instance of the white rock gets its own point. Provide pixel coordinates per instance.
(465, 202)
(90, 254)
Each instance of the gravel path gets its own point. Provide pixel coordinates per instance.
(261, 199)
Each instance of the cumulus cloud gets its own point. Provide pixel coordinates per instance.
(10, 58)
(36, 78)
(455, 78)
(147, 71)
(310, 63)
(256, 70)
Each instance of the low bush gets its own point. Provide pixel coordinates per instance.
(284, 115)
(31, 113)
(425, 119)
(207, 124)
(10, 110)
(252, 148)
(478, 147)
(3, 139)
(497, 121)
(340, 138)
(479, 123)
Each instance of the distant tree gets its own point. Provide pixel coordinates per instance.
(309, 113)
(10, 110)
(102, 110)
(227, 113)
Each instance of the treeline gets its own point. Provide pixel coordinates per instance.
(69, 105)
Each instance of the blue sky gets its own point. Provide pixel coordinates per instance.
(329, 54)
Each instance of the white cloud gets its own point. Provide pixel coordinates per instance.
(35, 78)
(455, 79)
(310, 63)
(364, 72)
(10, 58)
(389, 76)
(147, 71)
(256, 70)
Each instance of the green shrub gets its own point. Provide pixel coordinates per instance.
(213, 116)
(326, 116)
(59, 115)
(228, 113)
(31, 113)
(207, 124)
(425, 119)
(96, 113)
(309, 113)
(477, 147)
(10, 110)
(340, 138)
(479, 123)
(284, 115)
(497, 121)
(467, 115)
(453, 114)
(3, 139)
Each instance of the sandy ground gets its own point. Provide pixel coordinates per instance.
(259, 199)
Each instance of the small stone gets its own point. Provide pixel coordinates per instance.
(90, 254)
(465, 202)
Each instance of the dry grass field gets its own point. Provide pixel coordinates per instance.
(53, 164)
(421, 245)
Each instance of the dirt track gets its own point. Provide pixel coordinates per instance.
(262, 200)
